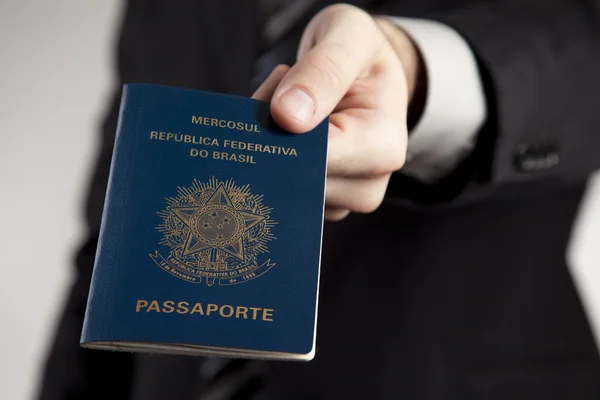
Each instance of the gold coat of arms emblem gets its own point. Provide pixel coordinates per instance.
(215, 232)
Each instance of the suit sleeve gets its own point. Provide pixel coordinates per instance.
(539, 61)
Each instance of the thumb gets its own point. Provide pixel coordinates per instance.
(346, 41)
(267, 88)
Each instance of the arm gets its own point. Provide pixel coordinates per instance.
(449, 106)
(346, 69)
(538, 61)
(363, 72)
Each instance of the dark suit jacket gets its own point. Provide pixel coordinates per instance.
(453, 291)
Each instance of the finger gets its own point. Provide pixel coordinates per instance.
(335, 214)
(267, 88)
(347, 42)
(362, 195)
(359, 149)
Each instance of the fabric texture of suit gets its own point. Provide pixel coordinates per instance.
(458, 290)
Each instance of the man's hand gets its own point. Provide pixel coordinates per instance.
(361, 72)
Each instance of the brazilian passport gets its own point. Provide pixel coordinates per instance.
(210, 240)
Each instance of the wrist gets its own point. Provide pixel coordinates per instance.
(413, 65)
(405, 49)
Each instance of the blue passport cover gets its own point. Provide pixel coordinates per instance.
(211, 233)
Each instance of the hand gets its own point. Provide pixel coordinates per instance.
(361, 72)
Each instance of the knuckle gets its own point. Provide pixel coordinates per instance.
(397, 160)
(336, 215)
(368, 205)
(371, 199)
(386, 161)
(328, 60)
(379, 167)
(389, 151)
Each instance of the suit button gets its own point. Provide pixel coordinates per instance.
(536, 157)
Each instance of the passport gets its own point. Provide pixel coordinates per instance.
(210, 240)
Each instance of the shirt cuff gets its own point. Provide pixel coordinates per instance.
(455, 107)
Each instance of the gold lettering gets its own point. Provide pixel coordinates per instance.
(254, 311)
(153, 306)
(182, 307)
(211, 308)
(267, 314)
(197, 309)
(222, 123)
(168, 307)
(223, 314)
(225, 310)
(140, 304)
(241, 310)
(240, 157)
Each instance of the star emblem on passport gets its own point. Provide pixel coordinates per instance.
(228, 238)
(216, 232)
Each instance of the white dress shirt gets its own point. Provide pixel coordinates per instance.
(455, 107)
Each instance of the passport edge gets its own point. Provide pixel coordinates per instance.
(195, 350)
